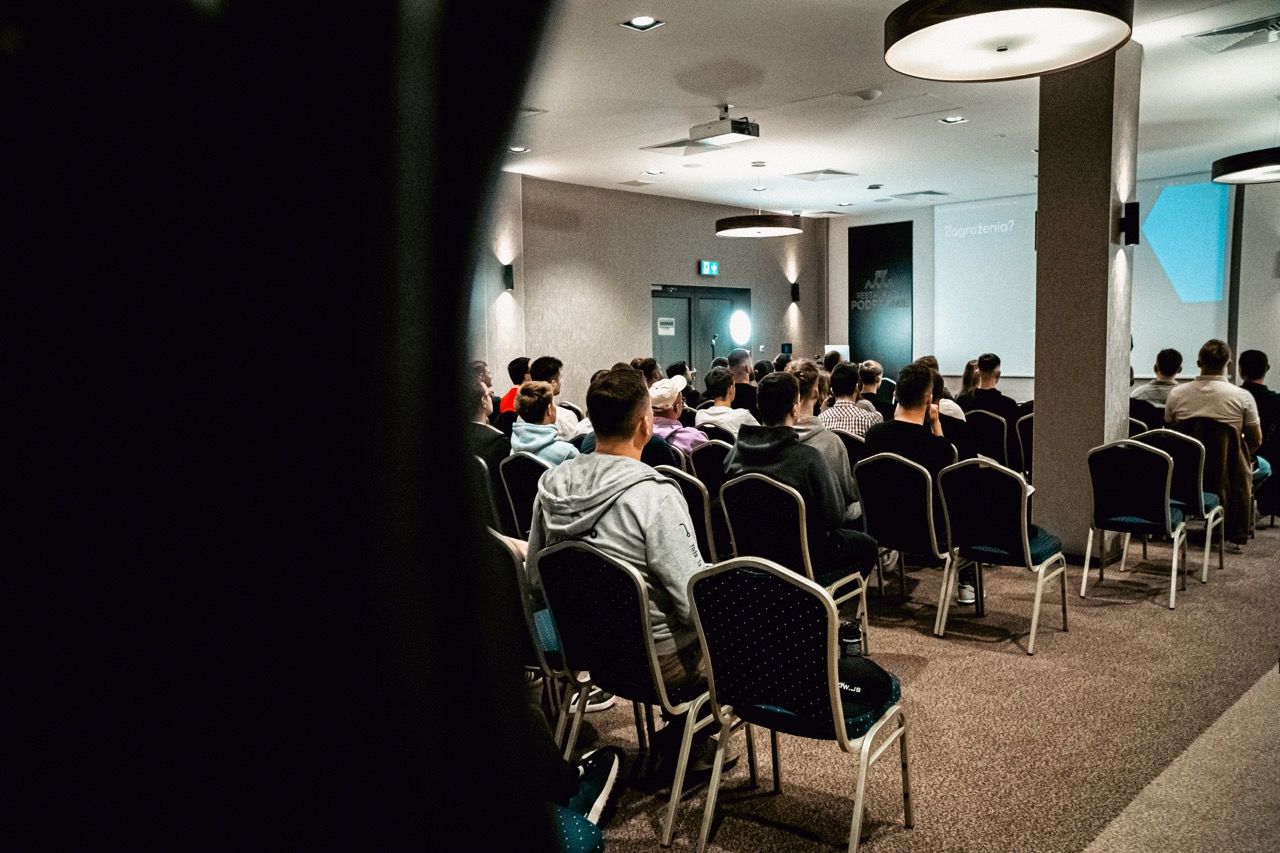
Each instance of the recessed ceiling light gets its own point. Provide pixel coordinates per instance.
(519, 149)
(884, 199)
(875, 186)
(846, 204)
(653, 171)
(642, 23)
(758, 189)
(953, 120)
(757, 164)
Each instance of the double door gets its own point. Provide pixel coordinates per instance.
(691, 324)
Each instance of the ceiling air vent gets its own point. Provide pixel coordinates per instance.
(823, 175)
(1236, 36)
(635, 183)
(922, 194)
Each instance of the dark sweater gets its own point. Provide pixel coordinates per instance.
(991, 400)
(744, 397)
(777, 452)
(910, 441)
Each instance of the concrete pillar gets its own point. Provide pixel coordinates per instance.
(1088, 154)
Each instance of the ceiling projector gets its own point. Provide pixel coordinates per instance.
(724, 131)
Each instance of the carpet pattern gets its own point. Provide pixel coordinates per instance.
(1008, 752)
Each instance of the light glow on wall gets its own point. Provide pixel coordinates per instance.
(740, 328)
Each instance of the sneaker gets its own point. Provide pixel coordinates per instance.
(966, 594)
(1234, 548)
(597, 700)
(597, 772)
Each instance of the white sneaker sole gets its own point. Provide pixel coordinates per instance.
(606, 794)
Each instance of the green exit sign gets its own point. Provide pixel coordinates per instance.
(708, 268)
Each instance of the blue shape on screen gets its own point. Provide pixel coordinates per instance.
(1187, 230)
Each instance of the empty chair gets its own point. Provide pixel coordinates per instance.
(986, 507)
(854, 445)
(901, 514)
(719, 433)
(768, 519)
(520, 474)
(1187, 491)
(601, 610)
(1025, 427)
(699, 502)
(1131, 494)
(990, 433)
(769, 638)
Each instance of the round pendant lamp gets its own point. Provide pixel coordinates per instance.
(965, 41)
(1253, 167)
(759, 225)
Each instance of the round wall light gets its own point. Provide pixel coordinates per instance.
(740, 328)
(977, 40)
(759, 225)
(1253, 167)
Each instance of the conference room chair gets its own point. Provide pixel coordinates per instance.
(769, 638)
(577, 441)
(899, 510)
(708, 466)
(705, 404)
(699, 503)
(719, 433)
(1228, 472)
(990, 433)
(601, 610)
(685, 464)
(571, 407)
(1025, 428)
(1136, 427)
(987, 509)
(481, 471)
(767, 519)
(1187, 492)
(520, 474)
(506, 422)
(1132, 484)
(854, 445)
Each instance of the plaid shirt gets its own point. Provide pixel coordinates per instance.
(849, 416)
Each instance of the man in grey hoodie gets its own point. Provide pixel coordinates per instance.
(815, 434)
(615, 502)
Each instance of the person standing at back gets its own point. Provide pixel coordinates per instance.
(744, 396)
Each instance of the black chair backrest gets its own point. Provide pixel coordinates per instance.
(1151, 415)
(517, 608)
(708, 465)
(719, 433)
(699, 503)
(481, 472)
(767, 520)
(683, 458)
(986, 504)
(1188, 465)
(520, 475)
(571, 407)
(1026, 428)
(506, 421)
(658, 452)
(898, 505)
(600, 609)
(705, 404)
(768, 638)
(854, 445)
(990, 434)
(577, 440)
(1136, 427)
(1131, 479)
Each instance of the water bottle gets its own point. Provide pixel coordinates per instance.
(850, 639)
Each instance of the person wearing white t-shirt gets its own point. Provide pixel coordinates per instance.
(720, 388)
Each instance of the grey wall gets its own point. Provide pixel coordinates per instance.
(1260, 274)
(587, 257)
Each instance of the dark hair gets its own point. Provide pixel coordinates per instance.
(533, 400)
(545, 368)
(781, 361)
(930, 361)
(718, 383)
(616, 402)
(680, 368)
(739, 357)
(649, 367)
(1214, 355)
(719, 361)
(806, 374)
(1168, 361)
(869, 372)
(969, 380)
(844, 379)
(517, 368)
(831, 359)
(988, 362)
(597, 375)
(939, 387)
(914, 382)
(776, 396)
(1253, 365)
(620, 365)
(763, 368)
(478, 368)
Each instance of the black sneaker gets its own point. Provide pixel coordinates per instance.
(597, 700)
(598, 771)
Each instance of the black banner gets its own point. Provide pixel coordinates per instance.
(880, 295)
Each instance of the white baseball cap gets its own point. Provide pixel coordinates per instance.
(663, 393)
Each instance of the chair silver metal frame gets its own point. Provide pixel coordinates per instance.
(947, 556)
(496, 517)
(1029, 418)
(1212, 518)
(1003, 458)
(692, 707)
(506, 486)
(859, 589)
(1178, 534)
(705, 519)
(1137, 427)
(860, 747)
(1041, 569)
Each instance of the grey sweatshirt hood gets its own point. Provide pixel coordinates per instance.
(574, 497)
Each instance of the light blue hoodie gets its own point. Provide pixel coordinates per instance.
(541, 441)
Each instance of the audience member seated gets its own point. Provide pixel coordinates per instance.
(668, 406)
(518, 370)
(781, 360)
(722, 391)
(775, 450)
(547, 369)
(831, 359)
(954, 429)
(648, 367)
(1156, 392)
(719, 361)
(946, 403)
(762, 368)
(691, 396)
(745, 394)
(987, 397)
(584, 425)
(824, 392)
(969, 379)
(535, 427)
(480, 372)
(844, 413)
(916, 434)
(1212, 396)
(631, 512)
(870, 375)
(483, 440)
(812, 432)
(1253, 370)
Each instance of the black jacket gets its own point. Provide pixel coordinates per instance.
(777, 452)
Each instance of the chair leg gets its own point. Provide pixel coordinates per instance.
(908, 819)
(682, 764)
(1063, 575)
(1124, 551)
(648, 721)
(944, 597)
(578, 714)
(1173, 574)
(859, 794)
(1035, 610)
(979, 591)
(1145, 539)
(880, 570)
(713, 788)
(902, 576)
(640, 733)
(866, 625)
(1088, 552)
(777, 761)
(752, 769)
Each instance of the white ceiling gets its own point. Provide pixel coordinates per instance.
(793, 67)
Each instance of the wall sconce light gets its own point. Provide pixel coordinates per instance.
(1129, 223)
(795, 292)
(509, 276)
